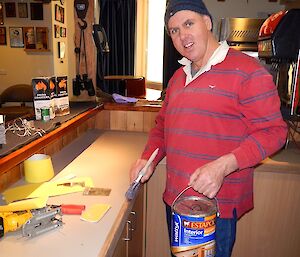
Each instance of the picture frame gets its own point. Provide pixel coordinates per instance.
(29, 37)
(3, 36)
(10, 9)
(36, 11)
(61, 47)
(63, 32)
(41, 38)
(16, 37)
(1, 14)
(56, 31)
(59, 14)
(22, 10)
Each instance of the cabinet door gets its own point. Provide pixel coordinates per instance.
(136, 244)
(132, 240)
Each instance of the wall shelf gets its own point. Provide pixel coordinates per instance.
(37, 50)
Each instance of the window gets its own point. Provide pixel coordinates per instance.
(156, 11)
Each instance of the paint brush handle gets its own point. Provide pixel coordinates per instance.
(150, 160)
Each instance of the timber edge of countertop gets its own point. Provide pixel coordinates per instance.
(285, 161)
(142, 106)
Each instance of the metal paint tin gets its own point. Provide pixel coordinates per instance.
(193, 227)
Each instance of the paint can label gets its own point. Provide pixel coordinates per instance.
(193, 234)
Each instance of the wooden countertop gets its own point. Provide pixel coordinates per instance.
(77, 237)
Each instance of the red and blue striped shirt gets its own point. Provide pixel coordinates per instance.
(231, 108)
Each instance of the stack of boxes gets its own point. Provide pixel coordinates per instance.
(50, 97)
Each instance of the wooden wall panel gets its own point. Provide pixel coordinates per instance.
(10, 177)
(157, 240)
(54, 147)
(102, 120)
(272, 228)
(118, 120)
(135, 121)
(149, 120)
(126, 120)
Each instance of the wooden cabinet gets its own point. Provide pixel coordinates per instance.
(157, 239)
(131, 242)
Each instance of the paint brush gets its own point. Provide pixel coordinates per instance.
(133, 188)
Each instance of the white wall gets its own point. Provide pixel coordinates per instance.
(18, 66)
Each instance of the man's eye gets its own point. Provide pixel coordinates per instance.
(173, 31)
(188, 24)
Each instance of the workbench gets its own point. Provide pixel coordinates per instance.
(106, 157)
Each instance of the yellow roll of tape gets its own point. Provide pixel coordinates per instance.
(38, 168)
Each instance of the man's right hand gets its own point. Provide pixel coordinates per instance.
(137, 166)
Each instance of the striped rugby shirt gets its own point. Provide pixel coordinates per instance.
(232, 107)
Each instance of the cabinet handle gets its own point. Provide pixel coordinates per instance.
(133, 220)
(128, 231)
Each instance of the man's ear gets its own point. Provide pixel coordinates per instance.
(208, 22)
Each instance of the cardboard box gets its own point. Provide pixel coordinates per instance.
(62, 106)
(43, 95)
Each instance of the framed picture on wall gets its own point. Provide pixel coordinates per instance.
(42, 38)
(10, 9)
(63, 32)
(59, 13)
(56, 31)
(36, 11)
(29, 37)
(61, 47)
(1, 14)
(3, 36)
(22, 10)
(16, 37)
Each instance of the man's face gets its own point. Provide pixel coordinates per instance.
(190, 34)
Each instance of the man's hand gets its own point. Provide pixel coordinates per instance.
(137, 166)
(208, 179)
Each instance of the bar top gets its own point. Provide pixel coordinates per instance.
(13, 141)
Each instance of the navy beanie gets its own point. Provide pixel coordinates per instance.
(174, 6)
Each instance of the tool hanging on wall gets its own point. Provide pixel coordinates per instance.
(82, 82)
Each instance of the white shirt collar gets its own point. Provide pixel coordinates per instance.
(217, 57)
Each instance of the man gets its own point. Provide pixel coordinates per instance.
(221, 117)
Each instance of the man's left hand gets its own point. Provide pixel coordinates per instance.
(208, 179)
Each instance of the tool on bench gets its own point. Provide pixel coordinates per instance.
(75, 209)
(12, 221)
(133, 188)
(71, 184)
(43, 220)
(37, 221)
(96, 191)
(32, 222)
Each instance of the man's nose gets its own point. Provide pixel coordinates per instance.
(182, 34)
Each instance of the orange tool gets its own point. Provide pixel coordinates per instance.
(73, 209)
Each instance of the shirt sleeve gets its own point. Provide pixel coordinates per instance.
(259, 105)
(156, 138)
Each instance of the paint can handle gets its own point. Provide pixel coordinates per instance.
(180, 194)
(187, 188)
